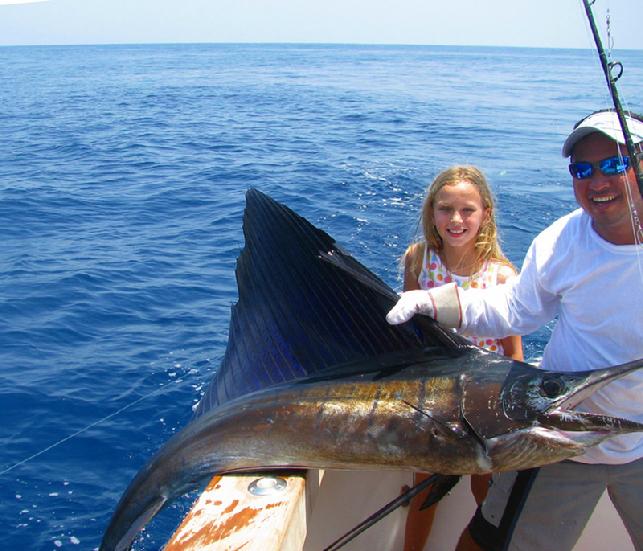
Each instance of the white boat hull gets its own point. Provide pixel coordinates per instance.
(347, 498)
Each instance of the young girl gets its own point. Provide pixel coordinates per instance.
(460, 245)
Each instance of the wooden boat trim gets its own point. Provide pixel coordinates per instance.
(228, 516)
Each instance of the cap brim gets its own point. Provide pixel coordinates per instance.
(576, 136)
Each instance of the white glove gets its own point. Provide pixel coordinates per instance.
(440, 303)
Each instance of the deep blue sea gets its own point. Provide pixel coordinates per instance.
(122, 178)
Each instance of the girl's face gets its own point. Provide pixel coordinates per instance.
(458, 213)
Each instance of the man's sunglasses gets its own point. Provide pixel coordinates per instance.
(610, 166)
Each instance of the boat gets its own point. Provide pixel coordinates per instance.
(308, 511)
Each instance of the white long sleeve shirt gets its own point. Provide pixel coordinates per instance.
(596, 290)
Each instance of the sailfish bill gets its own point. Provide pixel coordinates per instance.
(314, 377)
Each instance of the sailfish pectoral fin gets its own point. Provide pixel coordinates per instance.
(442, 486)
(472, 431)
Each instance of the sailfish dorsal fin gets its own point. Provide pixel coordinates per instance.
(305, 308)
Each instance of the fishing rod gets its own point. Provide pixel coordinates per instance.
(381, 513)
(611, 84)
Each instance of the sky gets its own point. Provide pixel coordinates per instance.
(531, 23)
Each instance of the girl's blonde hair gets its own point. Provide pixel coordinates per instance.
(486, 244)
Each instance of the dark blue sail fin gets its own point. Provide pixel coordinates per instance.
(306, 308)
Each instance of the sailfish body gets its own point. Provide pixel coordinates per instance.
(314, 377)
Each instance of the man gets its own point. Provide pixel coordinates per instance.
(586, 269)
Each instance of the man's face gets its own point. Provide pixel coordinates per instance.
(604, 197)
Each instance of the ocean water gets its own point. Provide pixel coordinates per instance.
(122, 178)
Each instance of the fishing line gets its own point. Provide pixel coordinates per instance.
(608, 66)
(92, 425)
(637, 227)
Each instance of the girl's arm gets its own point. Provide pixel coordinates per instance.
(512, 344)
(412, 260)
(513, 347)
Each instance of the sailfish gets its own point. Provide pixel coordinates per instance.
(314, 377)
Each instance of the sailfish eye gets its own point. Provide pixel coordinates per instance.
(552, 386)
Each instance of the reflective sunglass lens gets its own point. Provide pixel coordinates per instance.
(614, 165)
(580, 171)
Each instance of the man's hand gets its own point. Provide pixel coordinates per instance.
(409, 304)
(440, 303)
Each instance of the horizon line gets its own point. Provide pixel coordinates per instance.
(312, 43)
